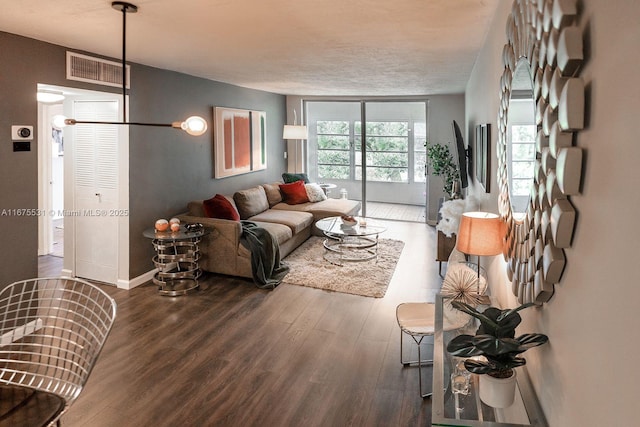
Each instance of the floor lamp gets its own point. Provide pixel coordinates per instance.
(297, 133)
(481, 234)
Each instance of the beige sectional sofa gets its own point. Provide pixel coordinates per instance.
(221, 250)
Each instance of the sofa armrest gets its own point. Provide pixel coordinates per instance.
(219, 247)
(219, 228)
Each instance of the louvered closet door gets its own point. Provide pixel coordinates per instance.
(96, 191)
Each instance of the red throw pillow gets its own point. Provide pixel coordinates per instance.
(294, 193)
(219, 207)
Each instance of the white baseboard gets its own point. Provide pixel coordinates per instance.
(122, 283)
(20, 332)
(137, 281)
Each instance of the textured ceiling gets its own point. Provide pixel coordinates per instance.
(302, 47)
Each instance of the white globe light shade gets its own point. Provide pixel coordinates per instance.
(194, 125)
(58, 121)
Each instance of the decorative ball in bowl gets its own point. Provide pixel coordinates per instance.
(348, 220)
(162, 225)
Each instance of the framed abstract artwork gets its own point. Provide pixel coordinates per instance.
(483, 156)
(240, 142)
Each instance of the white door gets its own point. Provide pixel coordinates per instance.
(96, 208)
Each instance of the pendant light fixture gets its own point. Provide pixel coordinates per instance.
(194, 125)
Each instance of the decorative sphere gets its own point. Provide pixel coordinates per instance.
(162, 225)
(175, 226)
(174, 221)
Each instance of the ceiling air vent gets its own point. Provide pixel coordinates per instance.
(95, 70)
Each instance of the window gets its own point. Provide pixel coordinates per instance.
(387, 151)
(334, 150)
(523, 154)
(420, 152)
(392, 153)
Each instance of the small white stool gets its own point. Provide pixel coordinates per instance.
(416, 319)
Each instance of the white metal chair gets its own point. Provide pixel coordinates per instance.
(52, 331)
(416, 319)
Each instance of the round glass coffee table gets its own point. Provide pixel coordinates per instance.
(346, 243)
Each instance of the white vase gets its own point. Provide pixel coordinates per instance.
(498, 392)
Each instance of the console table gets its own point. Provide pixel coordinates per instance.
(525, 411)
(176, 259)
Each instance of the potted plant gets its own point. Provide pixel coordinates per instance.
(442, 164)
(495, 340)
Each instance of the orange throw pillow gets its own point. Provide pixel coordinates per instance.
(294, 193)
(219, 207)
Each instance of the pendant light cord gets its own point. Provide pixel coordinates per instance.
(193, 125)
(124, 64)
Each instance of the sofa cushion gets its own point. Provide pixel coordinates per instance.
(293, 177)
(220, 207)
(296, 221)
(251, 202)
(294, 193)
(315, 193)
(274, 196)
(280, 232)
(334, 207)
(324, 209)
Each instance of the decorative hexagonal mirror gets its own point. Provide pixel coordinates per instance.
(539, 168)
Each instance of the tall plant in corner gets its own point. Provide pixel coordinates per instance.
(442, 164)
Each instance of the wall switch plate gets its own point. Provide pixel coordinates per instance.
(21, 133)
(21, 146)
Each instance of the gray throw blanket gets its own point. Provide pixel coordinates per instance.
(266, 267)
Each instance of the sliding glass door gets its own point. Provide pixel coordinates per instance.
(387, 172)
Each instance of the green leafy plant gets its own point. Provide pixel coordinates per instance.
(495, 340)
(442, 164)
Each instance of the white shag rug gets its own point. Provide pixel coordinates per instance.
(367, 278)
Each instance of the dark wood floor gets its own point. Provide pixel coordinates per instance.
(235, 355)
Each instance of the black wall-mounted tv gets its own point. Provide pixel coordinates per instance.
(460, 155)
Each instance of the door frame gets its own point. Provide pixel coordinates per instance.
(69, 261)
(45, 203)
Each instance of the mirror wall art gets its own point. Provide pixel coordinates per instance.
(545, 44)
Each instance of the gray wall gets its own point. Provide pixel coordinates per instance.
(167, 167)
(587, 375)
(24, 63)
(170, 168)
(443, 109)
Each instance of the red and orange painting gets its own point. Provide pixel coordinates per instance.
(240, 141)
